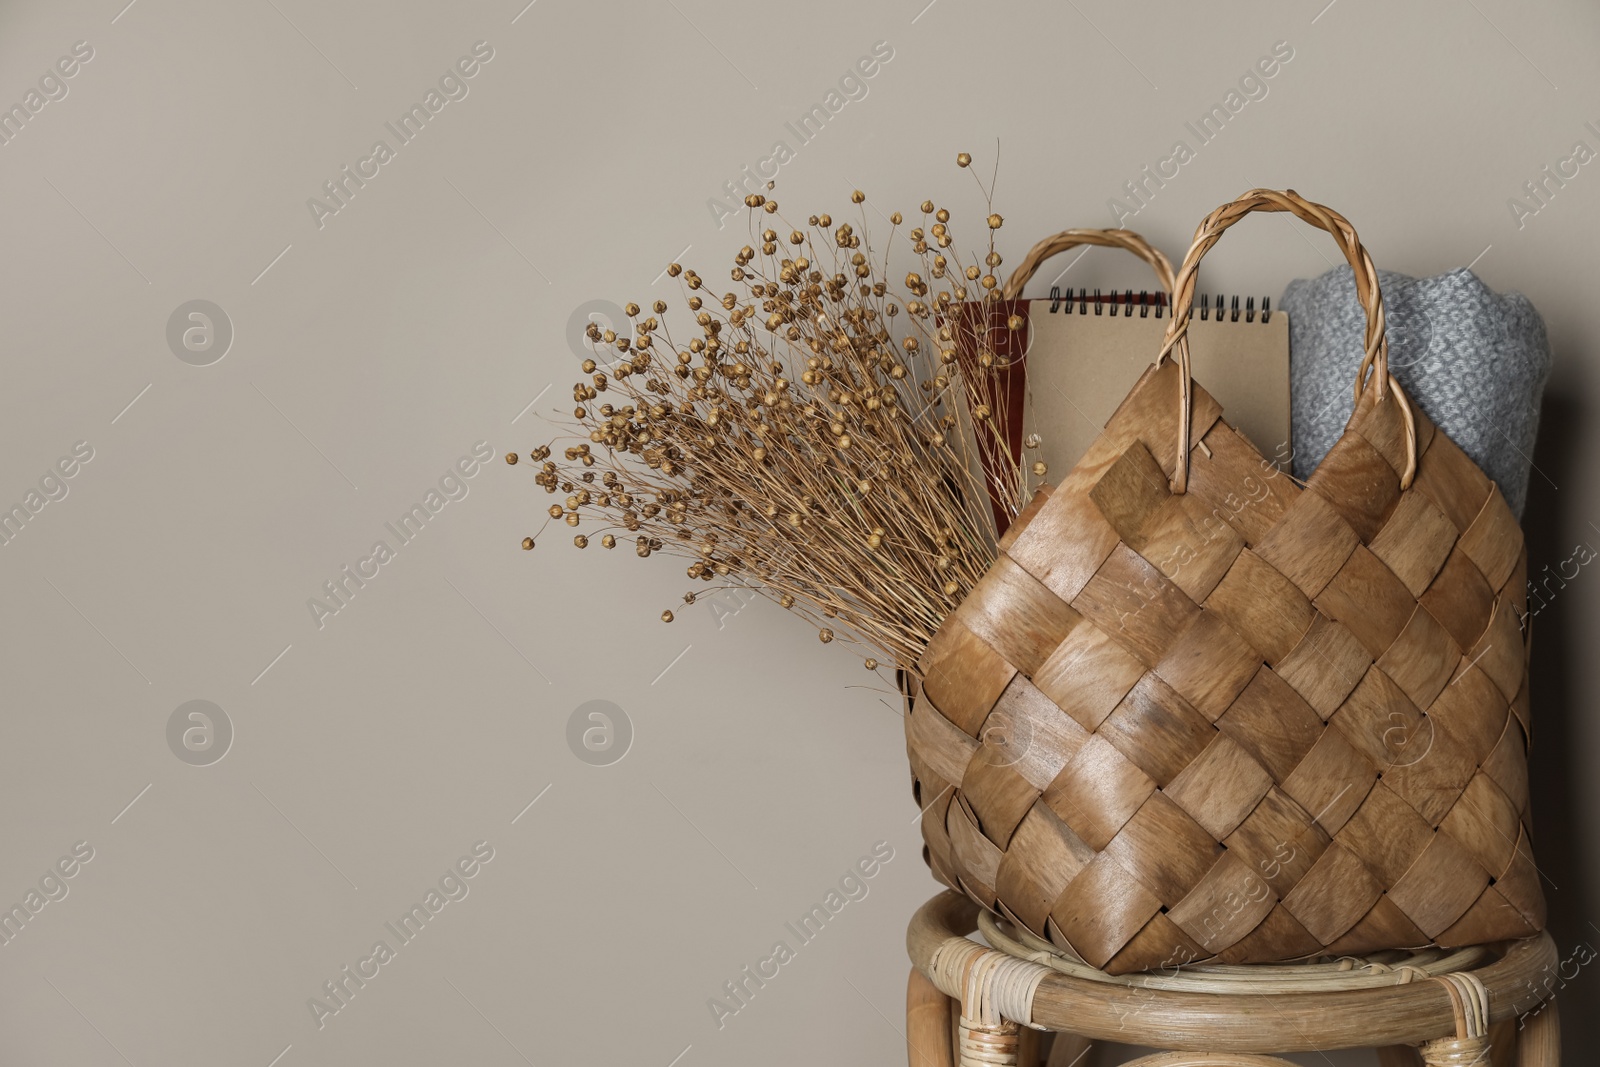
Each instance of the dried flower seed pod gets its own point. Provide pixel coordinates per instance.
(803, 486)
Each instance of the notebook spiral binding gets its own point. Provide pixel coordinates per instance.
(1144, 300)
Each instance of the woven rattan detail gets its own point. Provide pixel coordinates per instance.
(1254, 721)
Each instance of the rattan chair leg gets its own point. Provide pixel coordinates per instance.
(988, 1045)
(1540, 1044)
(1069, 1050)
(1503, 1043)
(928, 1038)
(1030, 1047)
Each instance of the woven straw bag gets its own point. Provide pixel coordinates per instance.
(1196, 710)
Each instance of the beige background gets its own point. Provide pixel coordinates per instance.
(427, 315)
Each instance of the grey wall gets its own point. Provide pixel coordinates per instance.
(371, 352)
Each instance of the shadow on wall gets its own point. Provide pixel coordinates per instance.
(1556, 763)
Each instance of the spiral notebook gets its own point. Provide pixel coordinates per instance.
(1077, 355)
(1085, 351)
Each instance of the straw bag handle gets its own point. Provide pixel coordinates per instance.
(1051, 246)
(1374, 368)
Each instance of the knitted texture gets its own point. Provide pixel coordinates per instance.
(1475, 361)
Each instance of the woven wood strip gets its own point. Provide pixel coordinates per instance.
(1253, 722)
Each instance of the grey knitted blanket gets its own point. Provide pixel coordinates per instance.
(1475, 361)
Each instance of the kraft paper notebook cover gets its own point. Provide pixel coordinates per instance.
(1085, 352)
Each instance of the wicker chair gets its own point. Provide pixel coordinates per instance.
(970, 1005)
